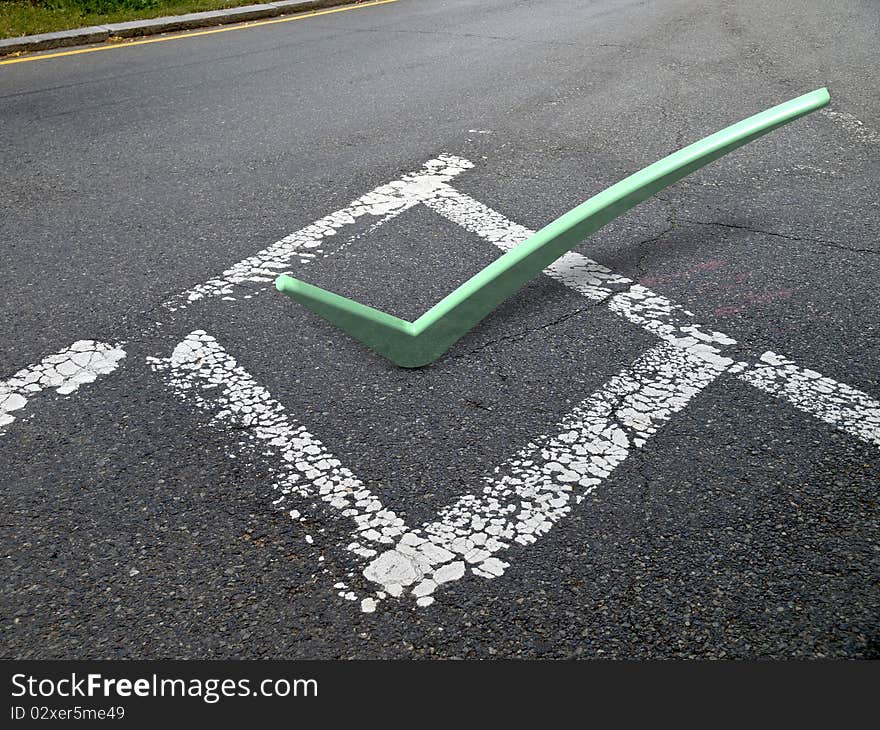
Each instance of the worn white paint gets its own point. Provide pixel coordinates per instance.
(201, 372)
(518, 503)
(636, 303)
(536, 487)
(853, 125)
(528, 494)
(835, 403)
(841, 405)
(65, 371)
(305, 245)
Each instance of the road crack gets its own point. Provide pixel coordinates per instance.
(801, 239)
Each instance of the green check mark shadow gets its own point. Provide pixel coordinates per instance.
(414, 344)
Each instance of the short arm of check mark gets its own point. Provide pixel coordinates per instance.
(414, 344)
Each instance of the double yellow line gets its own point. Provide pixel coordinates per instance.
(180, 36)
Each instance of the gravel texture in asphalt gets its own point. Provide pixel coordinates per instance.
(134, 526)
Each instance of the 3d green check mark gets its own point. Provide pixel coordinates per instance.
(413, 344)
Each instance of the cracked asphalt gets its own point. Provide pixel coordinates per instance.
(743, 528)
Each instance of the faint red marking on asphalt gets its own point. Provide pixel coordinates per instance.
(752, 299)
(740, 303)
(663, 279)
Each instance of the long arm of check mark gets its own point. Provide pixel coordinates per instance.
(413, 344)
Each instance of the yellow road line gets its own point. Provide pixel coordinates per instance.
(179, 36)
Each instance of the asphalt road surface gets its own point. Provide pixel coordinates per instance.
(670, 448)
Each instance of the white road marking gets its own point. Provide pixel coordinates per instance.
(838, 404)
(65, 371)
(522, 501)
(535, 488)
(531, 491)
(636, 303)
(527, 494)
(201, 372)
(835, 403)
(852, 124)
(386, 202)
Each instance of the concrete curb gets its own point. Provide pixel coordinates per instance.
(100, 33)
